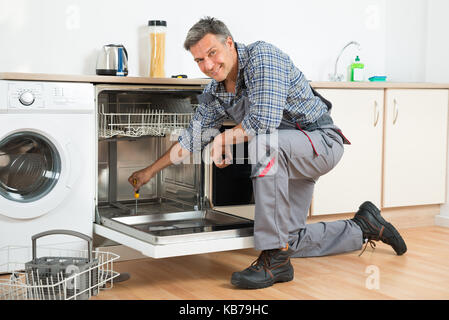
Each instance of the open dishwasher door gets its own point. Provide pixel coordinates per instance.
(172, 216)
(177, 234)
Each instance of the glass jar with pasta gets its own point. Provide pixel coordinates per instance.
(157, 32)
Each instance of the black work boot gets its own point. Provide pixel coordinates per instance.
(272, 266)
(374, 227)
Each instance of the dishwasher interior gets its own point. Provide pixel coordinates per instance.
(136, 127)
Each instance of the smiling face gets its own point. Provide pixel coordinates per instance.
(215, 58)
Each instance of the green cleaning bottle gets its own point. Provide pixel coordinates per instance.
(357, 70)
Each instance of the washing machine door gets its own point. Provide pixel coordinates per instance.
(35, 172)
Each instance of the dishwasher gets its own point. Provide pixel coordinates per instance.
(174, 214)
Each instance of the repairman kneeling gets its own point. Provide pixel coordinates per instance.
(292, 142)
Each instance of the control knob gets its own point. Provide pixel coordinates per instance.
(26, 98)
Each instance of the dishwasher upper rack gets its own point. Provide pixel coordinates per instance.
(140, 121)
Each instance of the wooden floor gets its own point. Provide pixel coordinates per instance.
(421, 273)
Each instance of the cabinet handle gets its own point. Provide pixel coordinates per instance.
(376, 113)
(395, 111)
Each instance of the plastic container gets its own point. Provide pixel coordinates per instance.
(357, 70)
(157, 33)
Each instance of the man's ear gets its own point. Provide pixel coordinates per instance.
(230, 42)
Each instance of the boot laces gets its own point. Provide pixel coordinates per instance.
(371, 243)
(263, 260)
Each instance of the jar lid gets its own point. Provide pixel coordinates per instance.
(157, 23)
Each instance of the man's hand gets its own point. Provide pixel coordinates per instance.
(224, 141)
(218, 149)
(141, 177)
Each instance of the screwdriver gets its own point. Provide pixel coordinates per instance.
(136, 194)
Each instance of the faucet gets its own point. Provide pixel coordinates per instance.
(339, 77)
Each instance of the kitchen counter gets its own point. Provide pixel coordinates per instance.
(377, 85)
(99, 79)
(203, 81)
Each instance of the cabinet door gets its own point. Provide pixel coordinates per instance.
(357, 177)
(415, 147)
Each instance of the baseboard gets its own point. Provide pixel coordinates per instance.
(401, 217)
(442, 221)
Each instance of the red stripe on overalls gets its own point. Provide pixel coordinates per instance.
(267, 168)
(344, 138)
(313, 147)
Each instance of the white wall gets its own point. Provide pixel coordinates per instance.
(406, 40)
(64, 36)
(437, 57)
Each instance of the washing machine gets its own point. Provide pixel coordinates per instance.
(47, 158)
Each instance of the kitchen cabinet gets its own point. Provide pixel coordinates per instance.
(415, 147)
(358, 175)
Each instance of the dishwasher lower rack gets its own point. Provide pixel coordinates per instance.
(61, 274)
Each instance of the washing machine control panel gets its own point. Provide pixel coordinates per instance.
(27, 96)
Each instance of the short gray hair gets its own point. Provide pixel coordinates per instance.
(203, 27)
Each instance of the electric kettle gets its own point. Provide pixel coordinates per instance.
(112, 61)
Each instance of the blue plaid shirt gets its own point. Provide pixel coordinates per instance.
(277, 91)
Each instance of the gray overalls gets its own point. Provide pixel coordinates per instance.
(285, 166)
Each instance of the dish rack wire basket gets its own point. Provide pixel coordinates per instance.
(141, 121)
(61, 274)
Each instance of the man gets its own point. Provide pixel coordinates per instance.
(260, 88)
